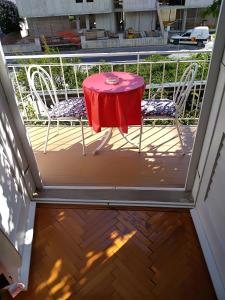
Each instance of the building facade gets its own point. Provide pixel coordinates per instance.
(47, 17)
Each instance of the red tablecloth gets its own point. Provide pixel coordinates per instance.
(117, 105)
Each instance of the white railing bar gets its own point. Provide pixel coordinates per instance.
(114, 63)
(31, 94)
(138, 63)
(149, 85)
(76, 81)
(17, 83)
(162, 83)
(20, 93)
(86, 120)
(193, 98)
(150, 81)
(87, 70)
(200, 89)
(106, 54)
(176, 74)
(63, 76)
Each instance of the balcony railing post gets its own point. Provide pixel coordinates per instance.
(176, 74)
(150, 80)
(76, 81)
(163, 77)
(63, 76)
(138, 63)
(200, 88)
(87, 72)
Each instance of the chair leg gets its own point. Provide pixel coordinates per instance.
(47, 135)
(58, 127)
(179, 135)
(83, 142)
(141, 131)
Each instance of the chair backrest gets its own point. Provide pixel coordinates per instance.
(184, 87)
(38, 76)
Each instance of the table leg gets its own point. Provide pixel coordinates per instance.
(125, 136)
(105, 140)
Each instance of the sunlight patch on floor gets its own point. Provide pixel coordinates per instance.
(160, 162)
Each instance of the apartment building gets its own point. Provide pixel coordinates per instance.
(49, 17)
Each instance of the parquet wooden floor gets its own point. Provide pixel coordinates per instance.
(88, 254)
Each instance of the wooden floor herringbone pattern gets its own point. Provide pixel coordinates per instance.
(88, 254)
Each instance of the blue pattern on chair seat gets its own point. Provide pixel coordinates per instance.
(73, 107)
(158, 107)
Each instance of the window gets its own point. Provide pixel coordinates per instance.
(186, 34)
(79, 1)
(90, 0)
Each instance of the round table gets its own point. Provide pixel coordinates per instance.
(113, 105)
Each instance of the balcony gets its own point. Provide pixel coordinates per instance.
(160, 163)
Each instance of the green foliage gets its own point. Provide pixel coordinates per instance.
(9, 17)
(213, 9)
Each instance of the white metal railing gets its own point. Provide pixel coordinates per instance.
(69, 70)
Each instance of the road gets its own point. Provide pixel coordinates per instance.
(125, 57)
(109, 58)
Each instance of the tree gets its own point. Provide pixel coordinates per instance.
(213, 9)
(9, 17)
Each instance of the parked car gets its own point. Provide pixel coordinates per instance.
(197, 36)
(183, 54)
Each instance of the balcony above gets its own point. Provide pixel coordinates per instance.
(141, 5)
(48, 8)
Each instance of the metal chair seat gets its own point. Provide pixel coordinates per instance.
(73, 107)
(151, 108)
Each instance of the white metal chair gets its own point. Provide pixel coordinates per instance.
(69, 109)
(170, 109)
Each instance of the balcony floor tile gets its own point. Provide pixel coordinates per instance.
(160, 164)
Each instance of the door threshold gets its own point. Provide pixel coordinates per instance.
(110, 196)
(110, 187)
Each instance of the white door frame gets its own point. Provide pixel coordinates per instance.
(31, 165)
(27, 160)
(208, 215)
(16, 187)
(208, 103)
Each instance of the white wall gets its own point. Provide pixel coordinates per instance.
(121, 42)
(45, 8)
(23, 48)
(14, 201)
(140, 21)
(106, 21)
(139, 5)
